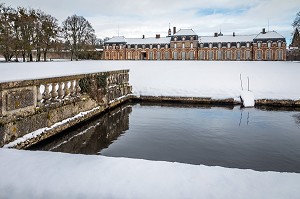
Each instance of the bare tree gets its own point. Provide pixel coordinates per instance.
(6, 32)
(78, 32)
(296, 23)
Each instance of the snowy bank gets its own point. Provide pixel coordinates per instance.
(215, 79)
(27, 174)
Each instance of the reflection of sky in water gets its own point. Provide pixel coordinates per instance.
(242, 138)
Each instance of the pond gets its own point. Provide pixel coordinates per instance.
(258, 139)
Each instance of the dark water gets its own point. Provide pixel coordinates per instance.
(216, 136)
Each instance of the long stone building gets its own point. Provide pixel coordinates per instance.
(187, 45)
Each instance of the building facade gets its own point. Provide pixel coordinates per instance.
(187, 45)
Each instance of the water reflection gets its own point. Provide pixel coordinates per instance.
(252, 138)
(90, 137)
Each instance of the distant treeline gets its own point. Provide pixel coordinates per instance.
(30, 34)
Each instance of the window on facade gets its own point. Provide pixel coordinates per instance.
(183, 38)
(114, 47)
(238, 55)
(269, 55)
(167, 55)
(136, 46)
(150, 55)
(248, 45)
(201, 45)
(175, 55)
(258, 55)
(158, 46)
(158, 55)
(248, 57)
(175, 45)
(238, 45)
(150, 46)
(192, 45)
(143, 46)
(183, 45)
(210, 45)
(210, 55)
(279, 55)
(220, 55)
(201, 55)
(107, 46)
(183, 55)
(279, 44)
(192, 56)
(175, 39)
(269, 44)
(228, 45)
(120, 46)
(259, 44)
(228, 55)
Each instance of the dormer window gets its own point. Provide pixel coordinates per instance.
(269, 44)
(192, 45)
(183, 38)
(201, 45)
(279, 44)
(238, 45)
(150, 46)
(228, 45)
(259, 44)
(219, 45)
(175, 45)
(183, 45)
(128, 46)
(210, 45)
(143, 46)
(158, 46)
(175, 38)
(248, 45)
(136, 46)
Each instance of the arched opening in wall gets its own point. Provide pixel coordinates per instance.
(269, 55)
(143, 55)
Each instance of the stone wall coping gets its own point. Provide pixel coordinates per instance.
(35, 82)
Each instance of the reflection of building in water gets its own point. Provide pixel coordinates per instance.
(91, 137)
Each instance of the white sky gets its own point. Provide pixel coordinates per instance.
(137, 17)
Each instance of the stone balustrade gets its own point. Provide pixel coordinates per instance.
(29, 105)
(23, 97)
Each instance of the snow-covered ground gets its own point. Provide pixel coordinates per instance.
(216, 79)
(26, 174)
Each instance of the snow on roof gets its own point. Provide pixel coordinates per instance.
(269, 35)
(226, 38)
(185, 32)
(117, 39)
(150, 40)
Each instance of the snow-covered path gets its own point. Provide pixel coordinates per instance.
(216, 79)
(26, 174)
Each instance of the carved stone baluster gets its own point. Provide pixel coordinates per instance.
(66, 89)
(39, 96)
(46, 94)
(60, 90)
(72, 89)
(77, 87)
(54, 93)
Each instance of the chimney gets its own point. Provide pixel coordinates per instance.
(216, 34)
(233, 34)
(143, 36)
(263, 31)
(157, 36)
(174, 30)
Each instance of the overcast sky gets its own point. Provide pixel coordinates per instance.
(149, 17)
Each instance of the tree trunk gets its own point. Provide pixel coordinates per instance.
(24, 57)
(45, 55)
(30, 57)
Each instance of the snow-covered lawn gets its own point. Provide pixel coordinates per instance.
(26, 174)
(216, 79)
